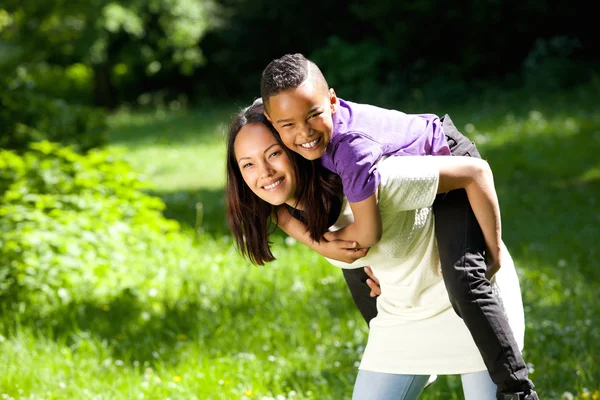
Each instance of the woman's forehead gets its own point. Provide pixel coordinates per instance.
(254, 136)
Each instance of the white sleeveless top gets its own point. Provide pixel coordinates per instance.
(416, 330)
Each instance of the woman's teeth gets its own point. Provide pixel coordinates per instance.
(272, 185)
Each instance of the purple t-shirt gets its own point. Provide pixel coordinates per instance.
(362, 134)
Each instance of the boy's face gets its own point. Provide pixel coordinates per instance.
(304, 118)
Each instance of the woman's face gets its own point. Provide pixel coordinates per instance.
(265, 166)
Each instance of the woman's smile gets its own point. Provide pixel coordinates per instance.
(265, 165)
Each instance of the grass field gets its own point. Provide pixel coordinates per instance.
(289, 330)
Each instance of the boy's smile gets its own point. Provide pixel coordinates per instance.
(303, 118)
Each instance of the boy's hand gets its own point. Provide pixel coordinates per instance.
(494, 262)
(342, 250)
(373, 282)
(331, 236)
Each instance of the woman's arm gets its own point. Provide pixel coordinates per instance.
(475, 176)
(366, 228)
(340, 250)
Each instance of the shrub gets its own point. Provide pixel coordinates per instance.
(353, 68)
(77, 228)
(26, 115)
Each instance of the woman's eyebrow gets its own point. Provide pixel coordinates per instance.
(267, 149)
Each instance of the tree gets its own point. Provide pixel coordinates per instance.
(126, 42)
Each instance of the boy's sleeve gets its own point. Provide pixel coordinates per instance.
(355, 158)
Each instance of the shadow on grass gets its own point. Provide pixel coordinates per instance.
(133, 330)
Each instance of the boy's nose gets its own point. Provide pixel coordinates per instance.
(305, 132)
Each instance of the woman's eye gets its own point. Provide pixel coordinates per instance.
(274, 154)
(246, 165)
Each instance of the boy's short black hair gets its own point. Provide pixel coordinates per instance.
(289, 72)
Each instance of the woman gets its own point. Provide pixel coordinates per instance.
(416, 333)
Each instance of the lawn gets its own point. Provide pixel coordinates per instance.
(289, 330)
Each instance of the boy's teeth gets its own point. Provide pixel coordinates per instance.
(271, 186)
(309, 144)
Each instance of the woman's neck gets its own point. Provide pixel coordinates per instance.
(295, 204)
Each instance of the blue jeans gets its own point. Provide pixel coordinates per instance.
(381, 386)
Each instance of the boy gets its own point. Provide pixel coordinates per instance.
(350, 139)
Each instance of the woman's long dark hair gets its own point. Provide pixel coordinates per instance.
(250, 218)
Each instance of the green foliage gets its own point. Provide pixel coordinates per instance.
(354, 68)
(121, 43)
(26, 115)
(77, 228)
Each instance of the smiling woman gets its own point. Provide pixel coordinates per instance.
(264, 165)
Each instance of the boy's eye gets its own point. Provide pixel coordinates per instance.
(315, 115)
(286, 125)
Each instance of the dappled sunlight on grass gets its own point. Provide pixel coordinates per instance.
(175, 151)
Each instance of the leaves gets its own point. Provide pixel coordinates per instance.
(79, 228)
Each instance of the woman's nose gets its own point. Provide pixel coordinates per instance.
(266, 169)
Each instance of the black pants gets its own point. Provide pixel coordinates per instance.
(462, 255)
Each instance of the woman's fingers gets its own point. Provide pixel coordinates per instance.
(373, 282)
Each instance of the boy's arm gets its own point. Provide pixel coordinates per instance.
(475, 176)
(340, 250)
(366, 228)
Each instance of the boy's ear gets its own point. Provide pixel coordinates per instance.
(266, 114)
(332, 100)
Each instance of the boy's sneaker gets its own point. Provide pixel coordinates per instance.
(529, 395)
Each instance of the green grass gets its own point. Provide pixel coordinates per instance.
(289, 330)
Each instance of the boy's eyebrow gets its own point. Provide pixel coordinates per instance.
(313, 109)
(267, 149)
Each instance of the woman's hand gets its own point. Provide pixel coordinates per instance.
(373, 282)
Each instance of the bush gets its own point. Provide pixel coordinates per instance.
(26, 116)
(353, 69)
(77, 228)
